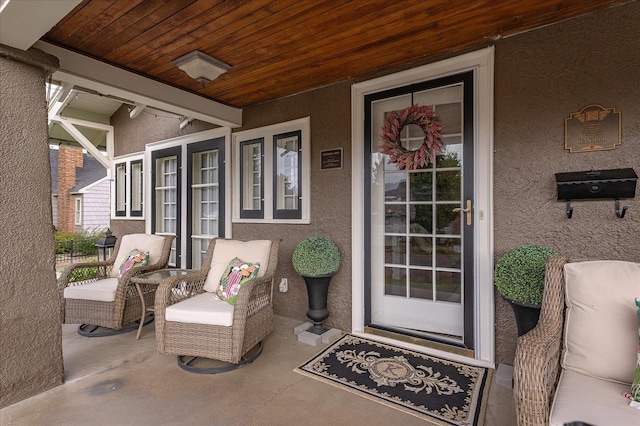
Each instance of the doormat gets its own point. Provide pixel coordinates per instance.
(435, 389)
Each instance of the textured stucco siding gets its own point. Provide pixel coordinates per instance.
(30, 321)
(330, 112)
(540, 78)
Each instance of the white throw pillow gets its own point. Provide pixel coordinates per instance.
(256, 251)
(600, 335)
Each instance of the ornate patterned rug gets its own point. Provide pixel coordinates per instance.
(441, 391)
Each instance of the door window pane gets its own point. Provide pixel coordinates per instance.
(421, 283)
(421, 251)
(205, 203)
(395, 281)
(395, 250)
(395, 218)
(166, 199)
(448, 287)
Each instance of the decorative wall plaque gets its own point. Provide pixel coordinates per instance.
(593, 128)
(331, 159)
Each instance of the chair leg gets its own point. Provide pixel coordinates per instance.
(90, 330)
(185, 363)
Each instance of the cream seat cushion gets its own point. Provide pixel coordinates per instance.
(225, 250)
(594, 401)
(601, 328)
(201, 309)
(143, 242)
(102, 290)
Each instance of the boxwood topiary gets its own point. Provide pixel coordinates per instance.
(316, 256)
(519, 274)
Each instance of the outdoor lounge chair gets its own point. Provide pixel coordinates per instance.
(100, 294)
(191, 323)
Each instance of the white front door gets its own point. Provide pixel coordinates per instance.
(421, 282)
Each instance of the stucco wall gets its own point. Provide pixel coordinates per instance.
(540, 78)
(30, 322)
(330, 112)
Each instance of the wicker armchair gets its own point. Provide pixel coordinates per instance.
(92, 294)
(191, 324)
(537, 360)
(578, 363)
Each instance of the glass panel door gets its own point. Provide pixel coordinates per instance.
(419, 237)
(206, 197)
(166, 198)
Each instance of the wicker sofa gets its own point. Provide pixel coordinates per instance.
(576, 365)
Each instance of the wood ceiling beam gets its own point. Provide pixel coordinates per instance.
(106, 79)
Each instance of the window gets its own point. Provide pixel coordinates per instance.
(136, 188)
(121, 189)
(129, 187)
(286, 182)
(77, 210)
(251, 179)
(271, 182)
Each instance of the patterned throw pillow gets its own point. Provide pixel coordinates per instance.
(236, 274)
(635, 386)
(135, 258)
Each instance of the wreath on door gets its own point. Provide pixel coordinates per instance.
(421, 115)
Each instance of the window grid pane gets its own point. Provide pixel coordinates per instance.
(287, 173)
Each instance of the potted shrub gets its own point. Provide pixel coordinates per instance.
(316, 260)
(519, 277)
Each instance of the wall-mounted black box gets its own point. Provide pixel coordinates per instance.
(592, 184)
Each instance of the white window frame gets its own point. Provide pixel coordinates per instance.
(127, 160)
(77, 210)
(267, 133)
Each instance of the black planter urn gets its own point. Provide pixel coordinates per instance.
(527, 315)
(317, 290)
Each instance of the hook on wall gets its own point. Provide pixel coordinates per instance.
(620, 213)
(569, 209)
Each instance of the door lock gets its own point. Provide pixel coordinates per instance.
(467, 211)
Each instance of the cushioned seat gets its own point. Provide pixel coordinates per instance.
(595, 401)
(101, 290)
(201, 309)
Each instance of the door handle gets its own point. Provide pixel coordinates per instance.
(467, 211)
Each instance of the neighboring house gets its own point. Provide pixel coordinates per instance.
(80, 190)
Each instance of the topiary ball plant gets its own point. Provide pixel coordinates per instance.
(519, 274)
(316, 256)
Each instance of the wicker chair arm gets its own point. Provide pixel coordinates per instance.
(537, 360)
(536, 369)
(175, 289)
(254, 295)
(64, 280)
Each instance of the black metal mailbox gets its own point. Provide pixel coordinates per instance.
(597, 184)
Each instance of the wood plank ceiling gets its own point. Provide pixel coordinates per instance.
(281, 47)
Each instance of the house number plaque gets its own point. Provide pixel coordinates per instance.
(593, 128)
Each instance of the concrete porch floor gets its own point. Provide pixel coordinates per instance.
(118, 380)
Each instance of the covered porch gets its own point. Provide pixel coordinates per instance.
(118, 380)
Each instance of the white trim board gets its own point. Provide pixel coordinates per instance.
(80, 70)
(482, 61)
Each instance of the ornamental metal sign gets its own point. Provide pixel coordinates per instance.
(593, 128)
